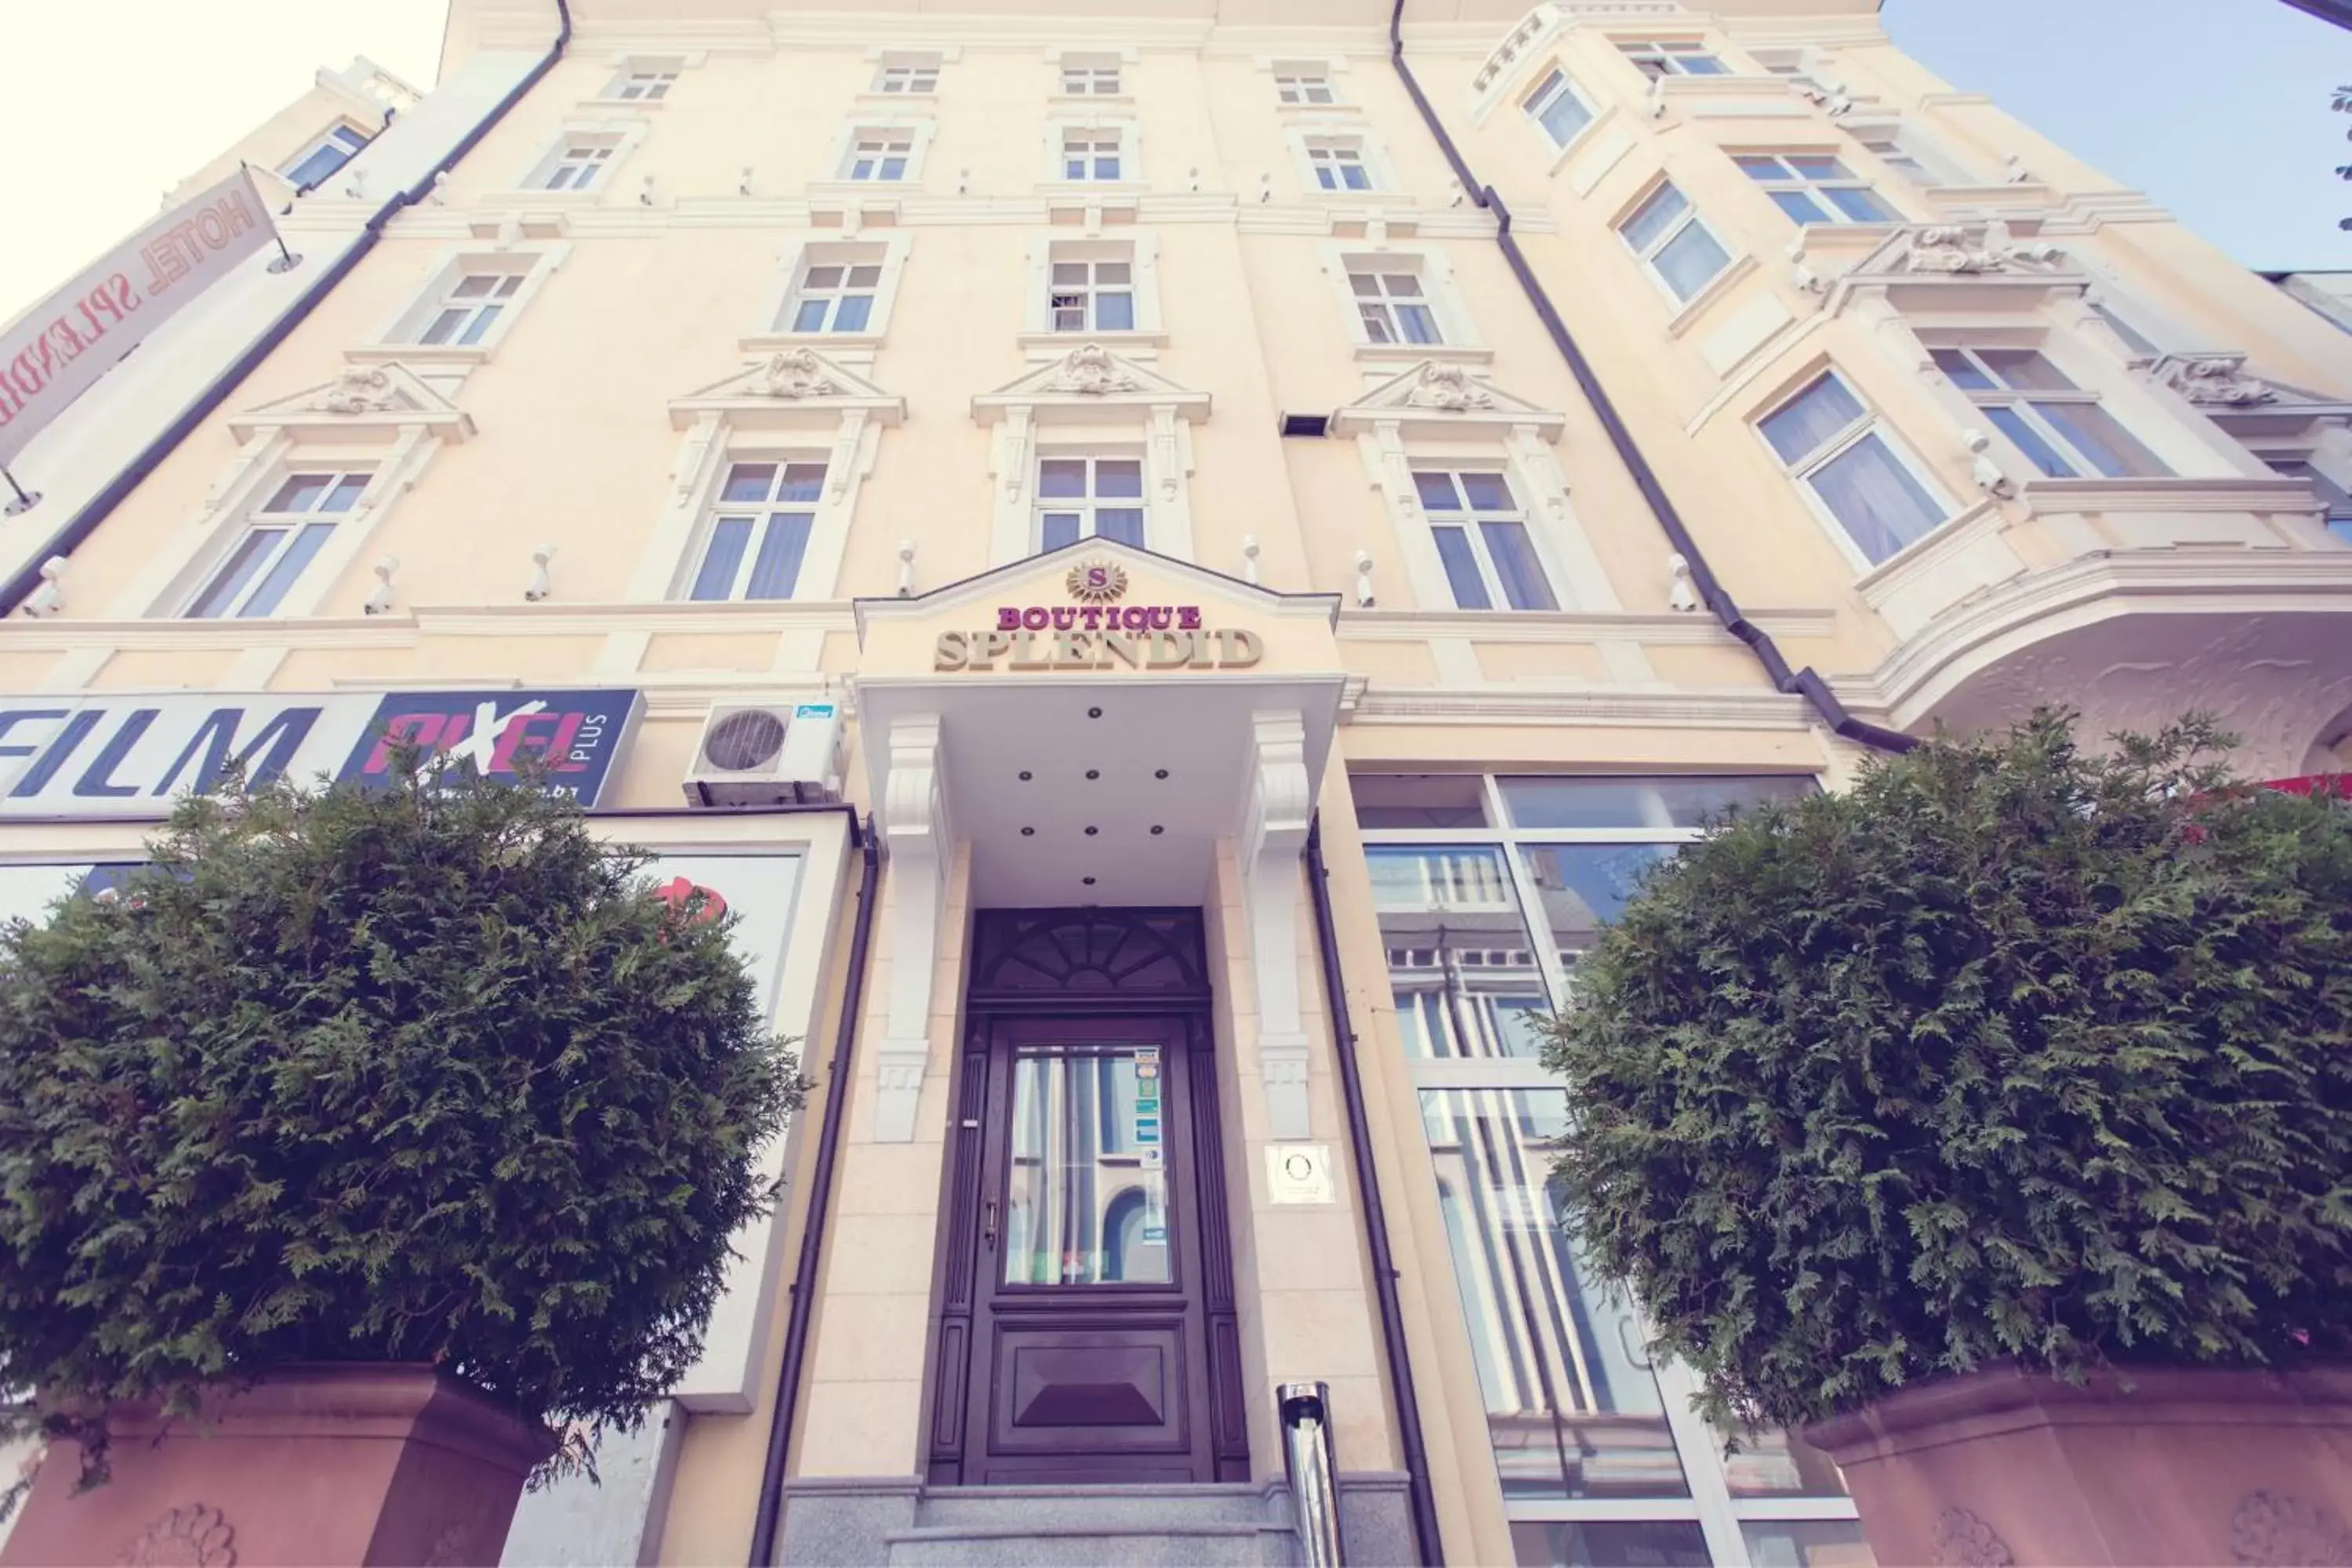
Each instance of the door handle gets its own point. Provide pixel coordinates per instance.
(988, 1224)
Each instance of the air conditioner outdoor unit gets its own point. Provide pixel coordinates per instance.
(775, 753)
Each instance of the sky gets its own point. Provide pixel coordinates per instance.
(2217, 108)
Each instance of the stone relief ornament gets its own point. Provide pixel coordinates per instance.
(1957, 248)
(362, 389)
(1447, 386)
(2272, 1530)
(794, 372)
(2216, 381)
(1964, 1540)
(1091, 369)
(193, 1535)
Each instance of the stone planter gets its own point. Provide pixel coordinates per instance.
(328, 1463)
(2165, 1466)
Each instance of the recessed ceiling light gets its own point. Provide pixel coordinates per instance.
(1094, 772)
(1028, 833)
(1092, 831)
(1089, 881)
(1025, 776)
(1093, 712)
(1160, 773)
(1156, 830)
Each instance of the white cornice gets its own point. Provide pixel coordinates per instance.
(1530, 626)
(917, 210)
(404, 628)
(1529, 703)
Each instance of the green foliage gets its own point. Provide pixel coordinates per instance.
(425, 1073)
(2008, 1052)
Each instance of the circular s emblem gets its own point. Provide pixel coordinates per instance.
(1096, 582)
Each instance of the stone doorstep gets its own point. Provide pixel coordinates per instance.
(1117, 1509)
(1210, 1546)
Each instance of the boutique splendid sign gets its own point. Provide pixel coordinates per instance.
(1098, 632)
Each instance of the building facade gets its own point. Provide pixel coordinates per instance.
(1174, 561)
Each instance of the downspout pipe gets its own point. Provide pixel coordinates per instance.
(800, 1304)
(100, 507)
(1807, 682)
(1419, 1498)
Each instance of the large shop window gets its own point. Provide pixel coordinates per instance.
(1487, 891)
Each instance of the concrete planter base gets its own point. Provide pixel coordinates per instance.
(346, 1463)
(2164, 1466)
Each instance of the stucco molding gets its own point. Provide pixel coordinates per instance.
(363, 400)
(1561, 704)
(1572, 626)
(1280, 806)
(912, 818)
(1435, 400)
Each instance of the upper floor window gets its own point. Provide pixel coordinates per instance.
(834, 291)
(1338, 164)
(2059, 427)
(1557, 106)
(1679, 251)
(1089, 498)
(908, 76)
(1090, 76)
(470, 307)
(646, 85)
(1391, 303)
(578, 165)
(880, 154)
(759, 530)
(1482, 540)
(1303, 82)
(1902, 150)
(1832, 444)
(1091, 154)
(1815, 187)
(1793, 65)
(1092, 293)
(327, 155)
(1671, 57)
(279, 539)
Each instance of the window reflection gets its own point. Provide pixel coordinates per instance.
(1581, 887)
(1085, 1194)
(1461, 966)
(1594, 1543)
(1572, 1408)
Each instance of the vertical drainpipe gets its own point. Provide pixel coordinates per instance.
(1806, 683)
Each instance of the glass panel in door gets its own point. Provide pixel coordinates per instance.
(1086, 1180)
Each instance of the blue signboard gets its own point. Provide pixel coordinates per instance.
(577, 735)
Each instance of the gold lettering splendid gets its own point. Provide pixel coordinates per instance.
(1230, 648)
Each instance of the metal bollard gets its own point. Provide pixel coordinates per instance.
(1314, 1471)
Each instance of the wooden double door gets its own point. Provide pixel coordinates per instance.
(1086, 1327)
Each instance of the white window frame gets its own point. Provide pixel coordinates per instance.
(1033, 414)
(1137, 245)
(358, 479)
(1871, 420)
(1092, 454)
(2025, 404)
(1304, 71)
(1124, 128)
(1815, 189)
(1091, 75)
(1918, 160)
(1533, 100)
(1331, 160)
(1645, 256)
(1520, 512)
(1441, 292)
(1669, 51)
(1372, 153)
(1710, 1505)
(898, 142)
(774, 327)
(533, 261)
(643, 82)
(334, 135)
(908, 74)
(766, 514)
(620, 135)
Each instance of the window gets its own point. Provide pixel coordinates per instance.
(1338, 164)
(1089, 498)
(1090, 76)
(1792, 67)
(2060, 428)
(2338, 502)
(1482, 539)
(1390, 301)
(1679, 251)
(1092, 295)
(1902, 151)
(1487, 893)
(277, 542)
(1832, 444)
(759, 530)
(878, 155)
(1656, 58)
(1557, 106)
(834, 293)
(1815, 187)
(908, 79)
(326, 155)
(647, 85)
(1090, 154)
(578, 165)
(1300, 82)
(469, 307)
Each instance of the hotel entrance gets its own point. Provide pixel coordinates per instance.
(1087, 1328)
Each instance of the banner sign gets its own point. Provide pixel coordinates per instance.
(58, 350)
(69, 755)
(1097, 632)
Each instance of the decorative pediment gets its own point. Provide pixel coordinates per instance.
(1990, 255)
(1091, 377)
(365, 397)
(795, 385)
(1434, 395)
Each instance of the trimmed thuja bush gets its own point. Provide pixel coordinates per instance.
(425, 1073)
(2012, 1052)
